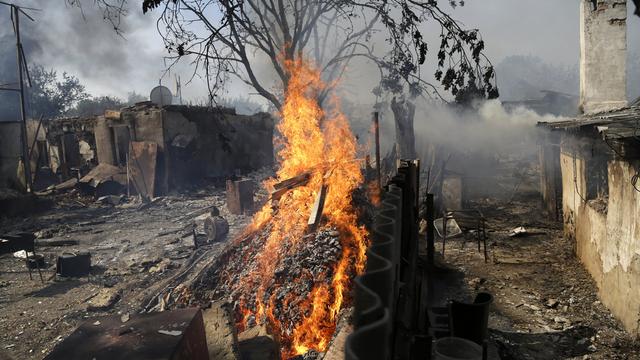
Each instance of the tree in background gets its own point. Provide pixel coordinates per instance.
(51, 96)
(97, 105)
(236, 38)
(251, 40)
(230, 38)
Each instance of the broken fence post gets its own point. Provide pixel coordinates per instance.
(430, 234)
(318, 206)
(240, 196)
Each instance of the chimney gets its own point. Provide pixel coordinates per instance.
(603, 55)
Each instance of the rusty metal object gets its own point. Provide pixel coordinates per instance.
(143, 159)
(168, 335)
(240, 196)
(216, 228)
(74, 265)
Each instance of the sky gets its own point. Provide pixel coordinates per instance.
(109, 64)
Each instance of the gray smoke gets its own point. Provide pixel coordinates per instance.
(82, 43)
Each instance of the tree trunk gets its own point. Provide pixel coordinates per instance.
(403, 113)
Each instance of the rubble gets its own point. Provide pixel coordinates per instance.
(312, 262)
(544, 309)
(104, 299)
(115, 236)
(216, 228)
(103, 180)
(257, 343)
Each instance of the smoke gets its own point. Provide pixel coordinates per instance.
(108, 64)
(493, 148)
(81, 42)
(491, 130)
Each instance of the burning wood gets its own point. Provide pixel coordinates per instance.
(318, 206)
(279, 274)
(282, 187)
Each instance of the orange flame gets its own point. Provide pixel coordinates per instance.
(321, 142)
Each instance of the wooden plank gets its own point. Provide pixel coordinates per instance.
(282, 187)
(112, 114)
(143, 159)
(318, 207)
(294, 181)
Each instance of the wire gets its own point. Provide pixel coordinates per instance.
(604, 137)
(634, 178)
(575, 178)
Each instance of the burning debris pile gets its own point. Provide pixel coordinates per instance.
(311, 261)
(292, 269)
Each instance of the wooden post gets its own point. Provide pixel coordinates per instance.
(430, 234)
(318, 207)
(240, 196)
(128, 177)
(376, 129)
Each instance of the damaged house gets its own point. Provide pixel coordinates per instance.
(64, 147)
(590, 165)
(184, 143)
(171, 146)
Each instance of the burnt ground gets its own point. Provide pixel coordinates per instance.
(545, 302)
(135, 253)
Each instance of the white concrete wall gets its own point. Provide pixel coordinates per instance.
(603, 59)
(608, 244)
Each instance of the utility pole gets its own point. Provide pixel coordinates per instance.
(25, 147)
(376, 129)
(22, 69)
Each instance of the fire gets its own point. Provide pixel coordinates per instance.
(318, 141)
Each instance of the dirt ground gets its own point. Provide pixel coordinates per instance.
(135, 254)
(545, 302)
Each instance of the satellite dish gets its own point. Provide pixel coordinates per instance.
(161, 96)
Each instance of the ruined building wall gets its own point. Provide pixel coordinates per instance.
(550, 176)
(213, 143)
(193, 142)
(147, 125)
(104, 141)
(607, 242)
(603, 46)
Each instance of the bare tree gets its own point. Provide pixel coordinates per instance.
(236, 38)
(227, 38)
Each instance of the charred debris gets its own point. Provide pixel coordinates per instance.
(188, 232)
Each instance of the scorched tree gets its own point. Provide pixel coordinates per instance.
(234, 38)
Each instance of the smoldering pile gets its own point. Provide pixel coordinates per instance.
(308, 262)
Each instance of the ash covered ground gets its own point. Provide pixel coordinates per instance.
(136, 254)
